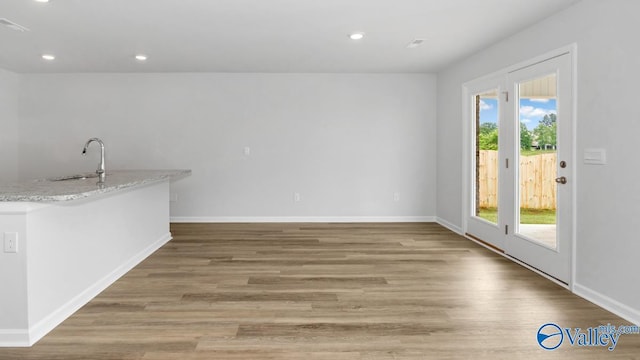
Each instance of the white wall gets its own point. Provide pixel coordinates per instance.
(9, 84)
(345, 142)
(608, 197)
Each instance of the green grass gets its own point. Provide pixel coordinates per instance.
(527, 216)
(535, 152)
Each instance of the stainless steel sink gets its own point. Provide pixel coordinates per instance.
(74, 177)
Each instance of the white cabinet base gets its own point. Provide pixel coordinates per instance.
(68, 252)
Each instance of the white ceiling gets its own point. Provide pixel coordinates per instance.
(257, 35)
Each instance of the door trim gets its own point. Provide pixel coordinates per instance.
(572, 51)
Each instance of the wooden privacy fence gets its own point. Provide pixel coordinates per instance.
(537, 180)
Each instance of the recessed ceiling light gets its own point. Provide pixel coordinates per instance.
(42, 1)
(356, 36)
(48, 57)
(141, 57)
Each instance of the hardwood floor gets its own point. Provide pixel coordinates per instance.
(324, 291)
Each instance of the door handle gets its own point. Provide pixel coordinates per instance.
(561, 180)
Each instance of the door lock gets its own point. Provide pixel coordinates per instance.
(561, 180)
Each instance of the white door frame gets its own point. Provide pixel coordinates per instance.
(571, 50)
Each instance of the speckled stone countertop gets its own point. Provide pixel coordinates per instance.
(54, 189)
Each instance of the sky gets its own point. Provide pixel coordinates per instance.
(531, 110)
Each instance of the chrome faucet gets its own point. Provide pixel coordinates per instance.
(102, 174)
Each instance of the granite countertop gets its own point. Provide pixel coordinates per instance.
(54, 189)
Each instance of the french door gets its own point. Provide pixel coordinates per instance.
(488, 148)
(519, 174)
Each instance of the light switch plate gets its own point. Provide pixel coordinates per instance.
(595, 156)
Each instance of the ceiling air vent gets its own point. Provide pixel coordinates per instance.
(415, 43)
(13, 26)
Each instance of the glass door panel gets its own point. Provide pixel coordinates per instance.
(486, 127)
(484, 147)
(537, 157)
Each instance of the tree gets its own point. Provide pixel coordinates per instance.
(488, 127)
(488, 136)
(549, 119)
(489, 141)
(525, 137)
(546, 131)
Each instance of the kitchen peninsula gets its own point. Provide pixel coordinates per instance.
(66, 239)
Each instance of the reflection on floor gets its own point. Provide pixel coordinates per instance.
(542, 233)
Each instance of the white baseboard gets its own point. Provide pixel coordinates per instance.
(300, 219)
(14, 337)
(622, 310)
(22, 338)
(456, 229)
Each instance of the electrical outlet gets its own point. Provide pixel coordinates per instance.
(396, 196)
(247, 151)
(11, 242)
(296, 197)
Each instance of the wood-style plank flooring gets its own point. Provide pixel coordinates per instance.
(324, 291)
